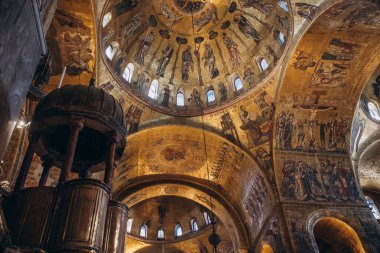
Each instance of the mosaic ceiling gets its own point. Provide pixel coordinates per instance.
(192, 57)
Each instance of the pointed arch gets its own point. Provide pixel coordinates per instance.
(111, 50)
(178, 230)
(194, 225)
(263, 64)
(129, 225)
(106, 19)
(161, 234)
(128, 72)
(144, 231)
(153, 90)
(180, 97)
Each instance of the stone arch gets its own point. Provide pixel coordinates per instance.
(224, 211)
(335, 231)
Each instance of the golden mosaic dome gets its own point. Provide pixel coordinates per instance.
(186, 58)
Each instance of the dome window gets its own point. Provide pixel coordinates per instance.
(128, 72)
(281, 38)
(106, 19)
(283, 5)
(210, 96)
(177, 231)
(207, 218)
(372, 206)
(263, 64)
(129, 225)
(373, 111)
(153, 90)
(180, 99)
(111, 50)
(144, 231)
(161, 234)
(238, 84)
(194, 225)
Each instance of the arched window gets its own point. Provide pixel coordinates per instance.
(280, 37)
(153, 90)
(128, 72)
(210, 96)
(194, 225)
(177, 230)
(129, 225)
(106, 19)
(111, 50)
(144, 231)
(180, 99)
(263, 64)
(207, 218)
(373, 111)
(372, 206)
(283, 5)
(238, 84)
(161, 233)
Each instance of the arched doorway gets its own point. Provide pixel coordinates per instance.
(334, 236)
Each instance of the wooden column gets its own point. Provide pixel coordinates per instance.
(76, 127)
(110, 169)
(46, 165)
(24, 170)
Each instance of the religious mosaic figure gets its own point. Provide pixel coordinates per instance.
(133, 117)
(165, 59)
(232, 50)
(223, 92)
(306, 10)
(366, 16)
(248, 78)
(206, 16)
(132, 27)
(313, 110)
(79, 54)
(166, 96)
(125, 6)
(264, 8)
(247, 28)
(195, 98)
(250, 126)
(280, 129)
(143, 48)
(187, 64)
(304, 61)
(119, 62)
(169, 13)
(141, 81)
(339, 50)
(209, 61)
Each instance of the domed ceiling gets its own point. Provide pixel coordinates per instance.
(186, 58)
